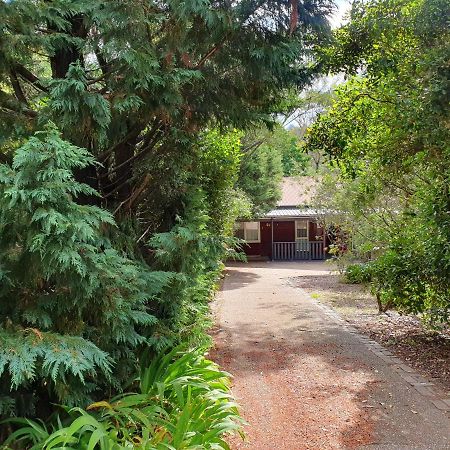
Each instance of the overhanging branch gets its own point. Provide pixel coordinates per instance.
(24, 73)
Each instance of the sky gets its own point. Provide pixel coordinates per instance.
(343, 6)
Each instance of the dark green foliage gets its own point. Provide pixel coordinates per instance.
(267, 156)
(293, 159)
(151, 91)
(183, 403)
(260, 178)
(219, 159)
(412, 274)
(72, 307)
(195, 254)
(357, 273)
(198, 242)
(279, 141)
(86, 308)
(136, 83)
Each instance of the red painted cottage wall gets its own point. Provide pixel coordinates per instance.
(284, 231)
(263, 248)
(315, 232)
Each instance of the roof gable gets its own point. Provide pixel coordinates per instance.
(297, 191)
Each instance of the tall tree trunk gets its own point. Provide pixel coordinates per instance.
(124, 172)
(69, 53)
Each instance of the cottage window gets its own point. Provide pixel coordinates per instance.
(252, 232)
(301, 229)
(249, 231)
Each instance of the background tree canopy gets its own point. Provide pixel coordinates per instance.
(267, 156)
(387, 134)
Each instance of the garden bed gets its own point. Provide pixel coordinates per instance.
(425, 350)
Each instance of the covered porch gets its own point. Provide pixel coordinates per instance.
(283, 239)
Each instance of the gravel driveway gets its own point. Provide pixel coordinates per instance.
(306, 381)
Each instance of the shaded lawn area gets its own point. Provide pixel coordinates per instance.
(425, 350)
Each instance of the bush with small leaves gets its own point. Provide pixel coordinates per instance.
(357, 273)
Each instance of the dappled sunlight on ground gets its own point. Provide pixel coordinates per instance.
(306, 395)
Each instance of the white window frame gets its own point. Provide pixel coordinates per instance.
(303, 238)
(258, 240)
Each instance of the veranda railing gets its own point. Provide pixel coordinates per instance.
(298, 251)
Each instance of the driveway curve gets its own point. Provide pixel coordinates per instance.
(305, 380)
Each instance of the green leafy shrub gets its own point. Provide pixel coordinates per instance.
(184, 403)
(387, 135)
(401, 280)
(219, 158)
(357, 273)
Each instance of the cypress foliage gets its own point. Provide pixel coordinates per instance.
(72, 307)
(135, 83)
(195, 246)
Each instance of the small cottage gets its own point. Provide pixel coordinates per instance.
(291, 231)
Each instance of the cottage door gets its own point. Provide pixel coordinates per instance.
(301, 239)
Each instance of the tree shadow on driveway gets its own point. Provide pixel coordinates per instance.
(237, 279)
(302, 393)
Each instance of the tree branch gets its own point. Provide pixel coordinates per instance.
(10, 103)
(207, 56)
(18, 88)
(379, 100)
(250, 149)
(30, 77)
(135, 195)
(103, 76)
(143, 152)
(136, 130)
(120, 186)
(104, 65)
(211, 53)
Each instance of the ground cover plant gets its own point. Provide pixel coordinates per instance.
(183, 403)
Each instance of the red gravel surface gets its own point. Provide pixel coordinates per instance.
(303, 404)
(302, 382)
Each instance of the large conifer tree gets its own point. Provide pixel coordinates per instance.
(133, 81)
